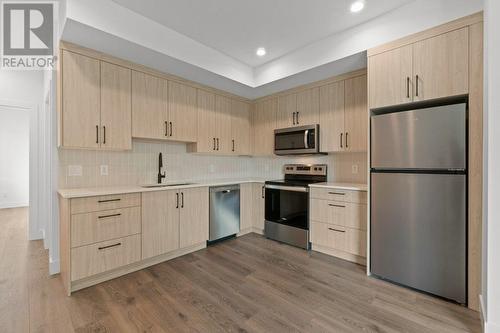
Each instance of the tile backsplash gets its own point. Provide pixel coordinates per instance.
(140, 166)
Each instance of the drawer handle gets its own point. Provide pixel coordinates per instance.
(337, 230)
(336, 193)
(108, 200)
(112, 215)
(333, 205)
(109, 246)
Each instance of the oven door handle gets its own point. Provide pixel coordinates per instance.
(288, 188)
(306, 139)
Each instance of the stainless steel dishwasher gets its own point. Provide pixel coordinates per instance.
(224, 212)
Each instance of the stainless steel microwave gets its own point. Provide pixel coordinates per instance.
(297, 140)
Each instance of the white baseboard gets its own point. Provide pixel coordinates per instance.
(54, 267)
(13, 205)
(35, 235)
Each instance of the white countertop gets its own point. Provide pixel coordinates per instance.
(97, 191)
(342, 186)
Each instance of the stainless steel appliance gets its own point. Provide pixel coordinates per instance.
(297, 140)
(419, 199)
(224, 212)
(287, 204)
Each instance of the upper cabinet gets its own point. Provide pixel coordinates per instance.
(240, 128)
(95, 111)
(263, 125)
(223, 115)
(432, 68)
(298, 109)
(182, 112)
(343, 116)
(287, 111)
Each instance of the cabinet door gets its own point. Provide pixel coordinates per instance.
(287, 110)
(149, 106)
(442, 65)
(356, 114)
(80, 101)
(193, 216)
(182, 112)
(116, 107)
(263, 125)
(331, 117)
(160, 223)
(258, 206)
(240, 128)
(206, 122)
(223, 124)
(307, 107)
(246, 206)
(390, 75)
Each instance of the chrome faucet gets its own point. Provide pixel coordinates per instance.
(160, 165)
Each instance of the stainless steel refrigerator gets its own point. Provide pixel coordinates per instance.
(419, 199)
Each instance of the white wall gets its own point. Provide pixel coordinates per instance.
(14, 157)
(491, 286)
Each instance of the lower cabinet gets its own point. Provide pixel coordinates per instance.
(338, 223)
(258, 207)
(173, 219)
(251, 208)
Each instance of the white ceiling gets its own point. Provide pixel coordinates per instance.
(238, 27)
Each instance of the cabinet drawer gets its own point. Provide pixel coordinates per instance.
(96, 227)
(348, 214)
(356, 242)
(339, 195)
(328, 235)
(101, 257)
(106, 202)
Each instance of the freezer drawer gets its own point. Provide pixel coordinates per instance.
(418, 231)
(432, 138)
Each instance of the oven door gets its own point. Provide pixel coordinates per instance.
(296, 140)
(287, 205)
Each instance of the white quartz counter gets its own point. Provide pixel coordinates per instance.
(342, 186)
(97, 191)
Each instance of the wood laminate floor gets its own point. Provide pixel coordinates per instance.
(249, 284)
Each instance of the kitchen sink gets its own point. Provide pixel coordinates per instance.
(164, 185)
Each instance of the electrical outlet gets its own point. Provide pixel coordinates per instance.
(355, 169)
(75, 170)
(104, 170)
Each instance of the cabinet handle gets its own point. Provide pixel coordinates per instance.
(104, 134)
(333, 205)
(346, 135)
(177, 200)
(171, 131)
(107, 247)
(233, 144)
(96, 133)
(337, 230)
(263, 195)
(297, 113)
(293, 118)
(108, 200)
(217, 143)
(336, 193)
(407, 87)
(341, 140)
(166, 128)
(108, 216)
(416, 86)
(182, 199)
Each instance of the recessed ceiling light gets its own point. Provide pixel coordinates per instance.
(261, 52)
(357, 6)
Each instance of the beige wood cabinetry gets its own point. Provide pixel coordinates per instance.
(223, 115)
(149, 106)
(287, 111)
(241, 143)
(431, 68)
(246, 207)
(343, 116)
(307, 107)
(182, 112)
(339, 223)
(258, 207)
(207, 131)
(116, 107)
(263, 125)
(194, 216)
(95, 110)
(173, 219)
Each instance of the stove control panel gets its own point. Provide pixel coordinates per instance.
(305, 169)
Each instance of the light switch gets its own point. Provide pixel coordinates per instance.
(75, 170)
(355, 169)
(104, 170)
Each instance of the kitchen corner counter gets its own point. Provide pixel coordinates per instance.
(342, 186)
(98, 191)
